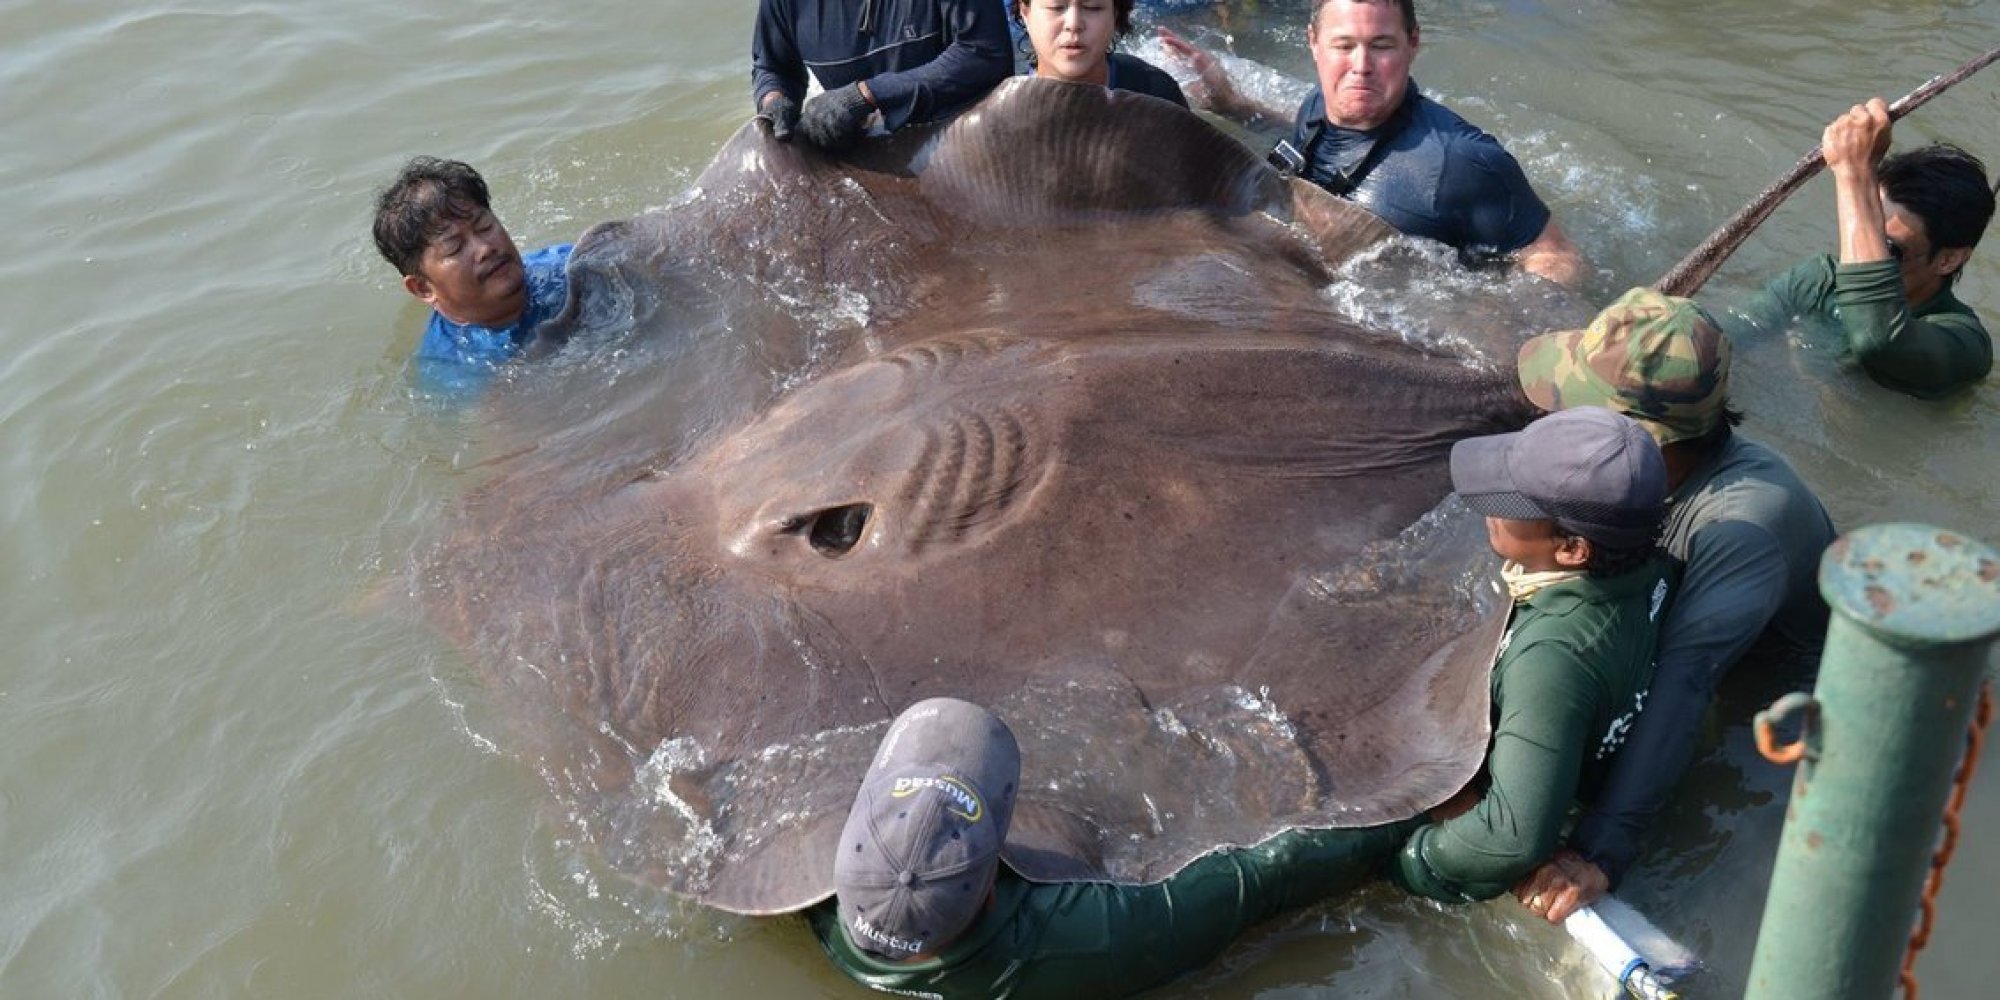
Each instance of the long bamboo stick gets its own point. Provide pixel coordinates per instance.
(1694, 270)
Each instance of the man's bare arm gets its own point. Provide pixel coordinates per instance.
(1854, 143)
(1213, 90)
(1554, 257)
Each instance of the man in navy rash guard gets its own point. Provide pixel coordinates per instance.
(902, 60)
(1368, 135)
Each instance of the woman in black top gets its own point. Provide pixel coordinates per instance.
(1073, 40)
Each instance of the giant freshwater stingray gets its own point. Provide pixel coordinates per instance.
(1048, 409)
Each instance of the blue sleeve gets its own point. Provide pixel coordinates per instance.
(1498, 211)
(548, 290)
(775, 62)
(974, 61)
(1736, 585)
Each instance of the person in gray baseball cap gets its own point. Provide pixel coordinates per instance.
(922, 844)
(925, 905)
(1572, 505)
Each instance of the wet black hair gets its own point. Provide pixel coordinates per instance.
(426, 195)
(1613, 560)
(1121, 8)
(1944, 186)
(1408, 7)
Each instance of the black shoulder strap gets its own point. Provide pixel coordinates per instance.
(1294, 161)
(1344, 182)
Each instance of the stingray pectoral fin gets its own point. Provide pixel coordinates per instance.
(782, 874)
(1039, 151)
(1393, 661)
(1046, 843)
(1338, 227)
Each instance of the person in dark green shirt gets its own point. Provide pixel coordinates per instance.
(923, 906)
(1742, 525)
(1572, 504)
(1907, 226)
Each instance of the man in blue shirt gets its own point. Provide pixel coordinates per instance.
(904, 60)
(435, 223)
(1367, 135)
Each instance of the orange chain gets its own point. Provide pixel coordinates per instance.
(1974, 739)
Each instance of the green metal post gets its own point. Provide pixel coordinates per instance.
(1915, 613)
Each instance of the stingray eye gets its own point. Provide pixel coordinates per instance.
(833, 531)
(836, 529)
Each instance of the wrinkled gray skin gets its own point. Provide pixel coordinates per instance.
(1100, 456)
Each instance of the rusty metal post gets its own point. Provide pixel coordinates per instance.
(1915, 613)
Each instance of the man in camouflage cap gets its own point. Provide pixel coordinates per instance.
(1655, 358)
(1746, 528)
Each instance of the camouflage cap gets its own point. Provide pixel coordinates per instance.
(1655, 358)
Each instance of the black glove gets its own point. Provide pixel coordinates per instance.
(783, 115)
(835, 119)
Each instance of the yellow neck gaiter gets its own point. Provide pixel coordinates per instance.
(1523, 584)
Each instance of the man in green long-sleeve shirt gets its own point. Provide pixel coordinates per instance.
(1572, 504)
(924, 907)
(1907, 224)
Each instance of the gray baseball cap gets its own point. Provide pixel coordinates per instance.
(922, 842)
(1593, 472)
